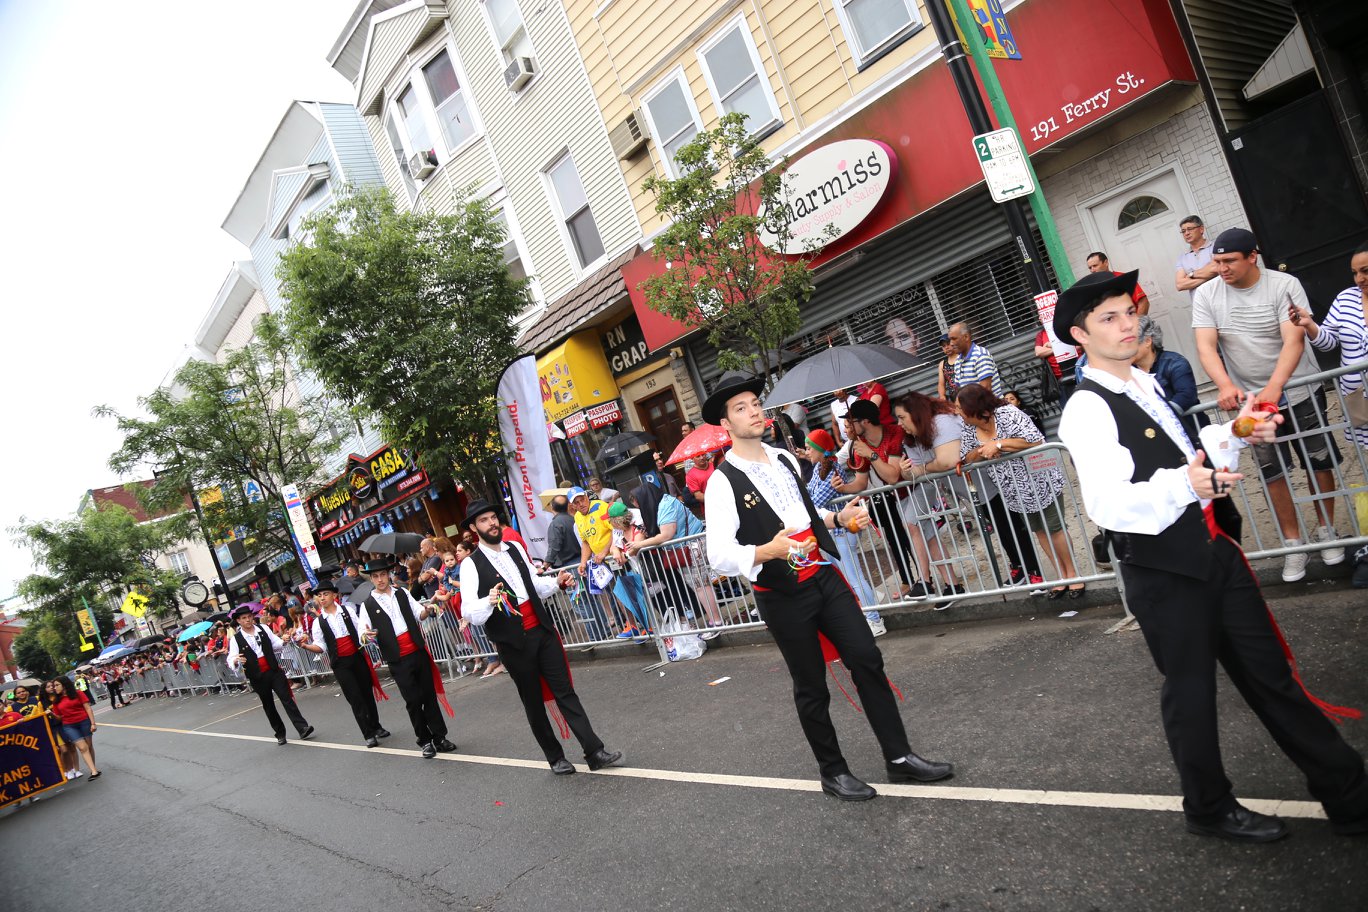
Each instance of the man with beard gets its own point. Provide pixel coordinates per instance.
(500, 593)
(256, 651)
(391, 618)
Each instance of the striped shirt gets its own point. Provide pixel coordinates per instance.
(977, 364)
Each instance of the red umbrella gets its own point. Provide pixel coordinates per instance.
(706, 438)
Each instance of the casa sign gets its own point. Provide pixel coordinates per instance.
(829, 192)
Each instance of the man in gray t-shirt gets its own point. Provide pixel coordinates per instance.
(1248, 345)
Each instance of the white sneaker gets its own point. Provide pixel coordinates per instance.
(1331, 556)
(69, 774)
(877, 627)
(76, 774)
(1294, 565)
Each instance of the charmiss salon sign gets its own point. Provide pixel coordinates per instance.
(829, 192)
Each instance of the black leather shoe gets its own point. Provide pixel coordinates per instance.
(1242, 825)
(280, 739)
(847, 788)
(1358, 827)
(306, 734)
(381, 733)
(918, 769)
(563, 767)
(445, 746)
(601, 758)
(371, 742)
(429, 751)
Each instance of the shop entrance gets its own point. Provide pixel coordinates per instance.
(1136, 225)
(660, 414)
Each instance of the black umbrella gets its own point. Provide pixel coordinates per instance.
(149, 640)
(838, 367)
(219, 616)
(359, 594)
(616, 447)
(392, 543)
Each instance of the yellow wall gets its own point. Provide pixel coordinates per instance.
(630, 46)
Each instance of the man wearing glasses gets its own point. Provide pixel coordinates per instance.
(1194, 266)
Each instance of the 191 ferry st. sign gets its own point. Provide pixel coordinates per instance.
(830, 191)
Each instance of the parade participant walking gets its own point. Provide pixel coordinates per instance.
(500, 593)
(391, 618)
(255, 650)
(762, 525)
(1168, 512)
(335, 632)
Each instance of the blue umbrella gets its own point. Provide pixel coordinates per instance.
(115, 652)
(194, 630)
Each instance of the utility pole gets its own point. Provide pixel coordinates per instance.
(962, 72)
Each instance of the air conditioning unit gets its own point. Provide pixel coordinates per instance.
(629, 137)
(421, 166)
(519, 73)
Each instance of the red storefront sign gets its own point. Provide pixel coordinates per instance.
(603, 415)
(1081, 62)
(576, 424)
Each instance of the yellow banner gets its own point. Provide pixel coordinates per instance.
(86, 621)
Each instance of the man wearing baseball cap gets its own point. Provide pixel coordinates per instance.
(596, 537)
(1170, 523)
(256, 650)
(1247, 341)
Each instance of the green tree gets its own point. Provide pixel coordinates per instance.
(719, 276)
(217, 426)
(93, 560)
(408, 316)
(32, 657)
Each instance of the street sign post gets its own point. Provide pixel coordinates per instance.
(134, 605)
(1004, 165)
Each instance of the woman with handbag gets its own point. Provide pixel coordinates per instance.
(689, 585)
(1346, 326)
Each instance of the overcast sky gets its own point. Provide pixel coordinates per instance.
(126, 133)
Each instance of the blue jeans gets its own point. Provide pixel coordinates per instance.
(590, 610)
(631, 591)
(847, 545)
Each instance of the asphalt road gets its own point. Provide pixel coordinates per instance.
(196, 813)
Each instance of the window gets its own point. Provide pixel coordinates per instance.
(674, 119)
(180, 562)
(1139, 209)
(877, 25)
(397, 145)
(512, 257)
(738, 82)
(574, 209)
(453, 114)
(415, 121)
(510, 33)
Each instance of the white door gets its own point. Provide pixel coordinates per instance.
(1137, 228)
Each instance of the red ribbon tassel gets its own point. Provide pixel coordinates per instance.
(552, 710)
(376, 687)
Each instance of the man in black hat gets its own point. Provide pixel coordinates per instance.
(255, 650)
(391, 618)
(1167, 510)
(335, 633)
(762, 525)
(500, 592)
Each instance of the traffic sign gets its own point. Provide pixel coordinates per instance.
(1004, 165)
(134, 605)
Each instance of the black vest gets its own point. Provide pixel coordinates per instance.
(759, 524)
(253, 667)
(501, 628)
(384, 629)
(1185, 546)
(331, 641)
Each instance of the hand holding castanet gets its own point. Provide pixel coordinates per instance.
(1209, 483)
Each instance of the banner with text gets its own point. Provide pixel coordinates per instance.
(29, 764)
(522, 422)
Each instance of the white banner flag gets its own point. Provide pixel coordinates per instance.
(299, 524)
(522, 425)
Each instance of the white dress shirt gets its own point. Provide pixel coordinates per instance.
(389, 603)
(253, 644)
(338, 623)
(478, 610)
(780, 489)
(1104, 467)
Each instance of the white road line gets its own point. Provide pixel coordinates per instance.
(1108, 800)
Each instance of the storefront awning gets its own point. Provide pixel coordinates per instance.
(575, 376)
(369, 484)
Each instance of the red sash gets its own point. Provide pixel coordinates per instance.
(529, 615)
(805, 573)
(345, 647)
(263, 664)
(408, 647)
(1336, 714)
(406, 644)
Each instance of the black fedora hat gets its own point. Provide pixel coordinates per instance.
(1087, 293)
(376, 564)
(730, 384)
(325, 586)
(240, 610)
(477, 509)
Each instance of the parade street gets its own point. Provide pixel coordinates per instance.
(1064, 796)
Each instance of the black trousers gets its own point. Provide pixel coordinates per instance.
(825, 603)
(116, 693)
(1014, 534)
(1189, 626)
(542, 656)
(354, 678)
(268, 682)
(884, 512)
(413, 675)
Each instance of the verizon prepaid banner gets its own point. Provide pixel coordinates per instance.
(522, 425)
